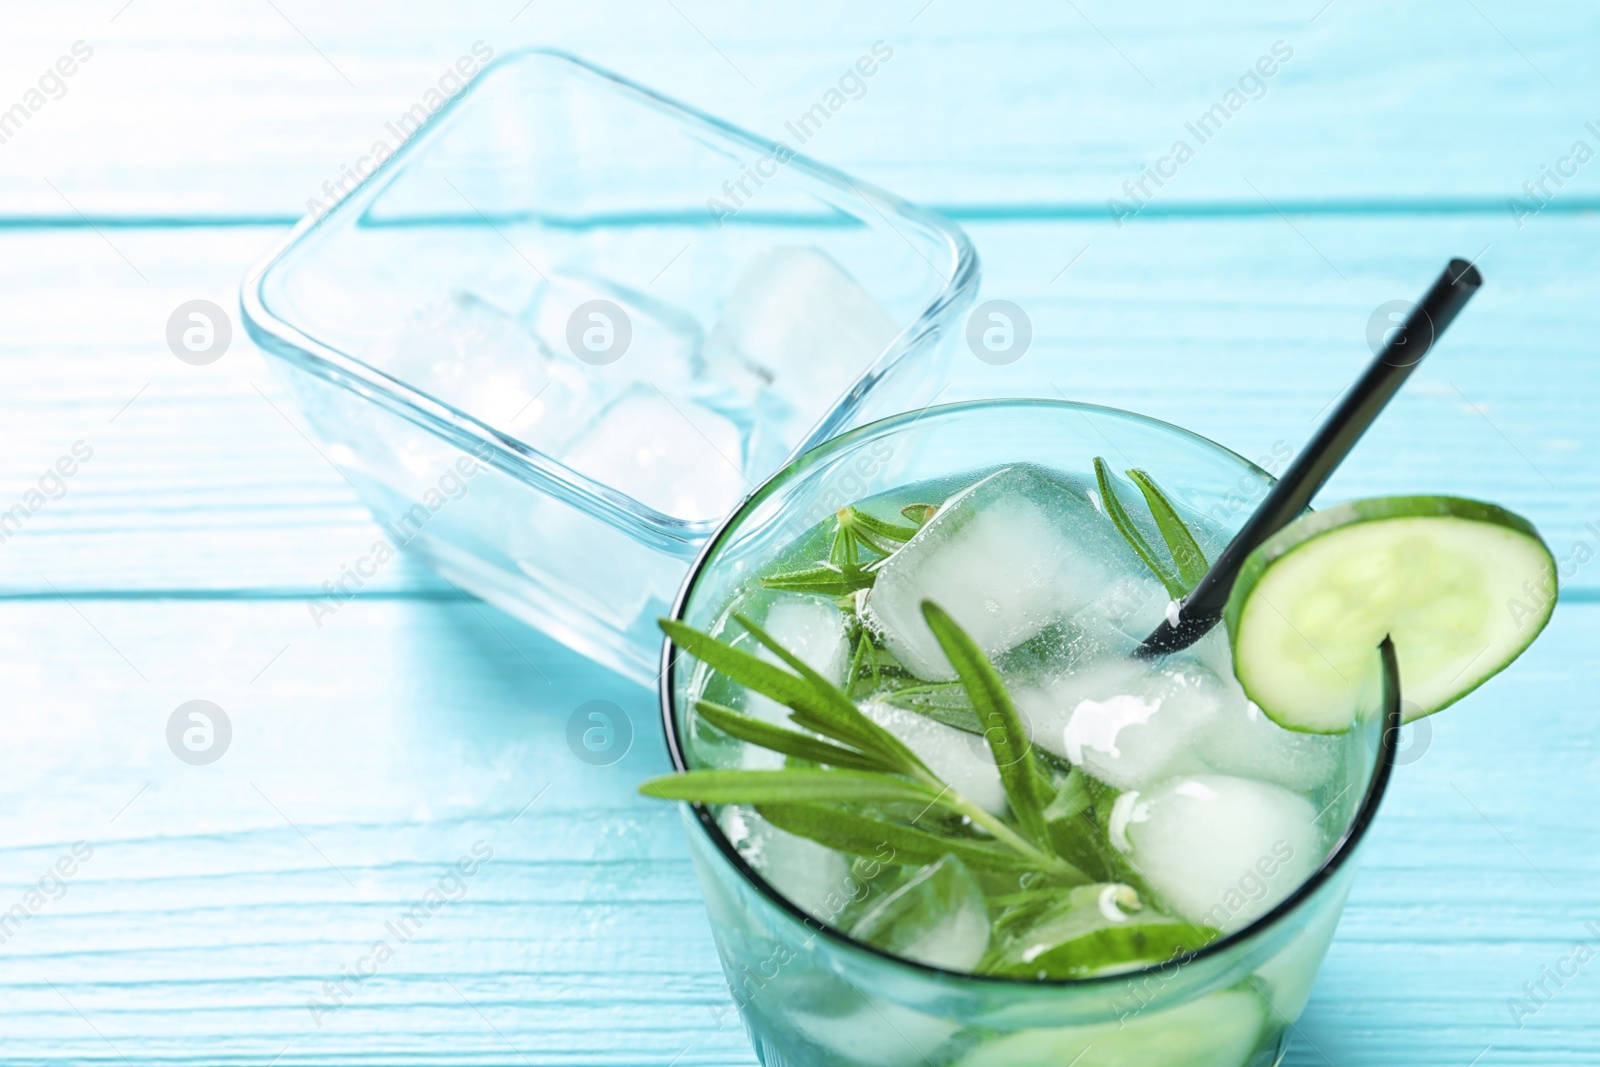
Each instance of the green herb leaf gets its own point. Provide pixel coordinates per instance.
(1127, 945)
(1013, 903)
(845, 550)
(748, 670)
(789, 786)
(810, 708)
(1018, 927)
(858, 659)
(837, 715)
(1078, 839)
(865, 835)
(866, 675)
(854, 528)
(788, 742)
(1083, 932)
(1130, 532)
(1180, 542)
(919, 513)
(1072, 798)
(1026, 787)
(825, 579)
(945, 702)
(889, 531)
(819, 706)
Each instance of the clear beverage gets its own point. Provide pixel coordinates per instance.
(1208, 846)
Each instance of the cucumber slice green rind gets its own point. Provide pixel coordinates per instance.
(1311, 533)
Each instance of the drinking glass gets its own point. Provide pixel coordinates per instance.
(809, 994)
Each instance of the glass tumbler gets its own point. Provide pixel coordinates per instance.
(810, 995)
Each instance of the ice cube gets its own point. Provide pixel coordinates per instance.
(1220, 851)
(1214, 652)
(797, 319)
(813, 629)
(1127, 722)
(879, 1033)
(614, 335)
(475, 357)
(815, 878)
(938, 917)
(1124, 613)
(1137, 602)
(1241, 740)
(1006, 557)
(961, 759)
(673, 455)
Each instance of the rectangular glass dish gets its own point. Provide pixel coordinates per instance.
(570, 324)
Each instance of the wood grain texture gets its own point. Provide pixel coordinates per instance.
(364, 763)
(369, 758)
(1437, 106)
(372, 753)
(1235, 328)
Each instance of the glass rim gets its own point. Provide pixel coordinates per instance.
(1332, 863)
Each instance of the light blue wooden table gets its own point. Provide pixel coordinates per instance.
(211, 912)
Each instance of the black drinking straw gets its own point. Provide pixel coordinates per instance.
(1202, 608)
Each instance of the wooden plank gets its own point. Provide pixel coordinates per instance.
(363, 764)
(1473, 881)
(1235, 328)
(1246, 331)
(185, 110)
(197, 471)
(383, 746)
(215, 903)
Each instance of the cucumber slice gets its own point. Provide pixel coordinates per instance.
(1462, 587)
(1216, 1031)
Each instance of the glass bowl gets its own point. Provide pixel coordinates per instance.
(570, 323)
(810, 994)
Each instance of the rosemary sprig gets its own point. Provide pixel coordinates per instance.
(1189, 562)
(825, 579)
(1028, 791)
(865, 835)
(792, 785)
(1051, 934)
(945, 702)
(1130, 533)
(874, 532)
(864, 766)
(788, 742)
(844, 572)
(855, 787)
(841, 712)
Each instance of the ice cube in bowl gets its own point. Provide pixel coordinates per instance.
(534, 289)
